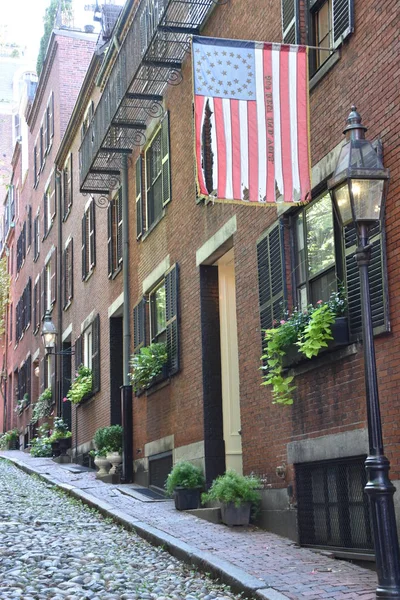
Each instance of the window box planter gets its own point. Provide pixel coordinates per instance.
(187, 498)
(340, 333)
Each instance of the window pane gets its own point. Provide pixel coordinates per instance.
(160, 309)
(323, 286)
(301, 254)
(320, 242)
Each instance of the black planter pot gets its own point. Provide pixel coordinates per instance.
(13, 445)
(55, 448)
(186, 498)
(233, 515)
(340, 333)
(65, 444)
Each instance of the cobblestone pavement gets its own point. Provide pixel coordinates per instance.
(296, 573)
(55, 547)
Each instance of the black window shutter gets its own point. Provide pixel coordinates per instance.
(93, 235)
(53, 280)
(71, 269)
(271, 277)
(172, 317)
(35, 169)
(70, 182)
(29, 302)
(52, 114)
(139, 325)
(35, 238)
(45, 221)
(377, 282)
(118, 216)
(29, 226)
(65, 277)
(54, 195)
(84, 271)
(78, 352)
(96, 354)
(28, 364)
(290, 21)
(139, 200)
(43, 293)
(110, 237)
(343, 20)
(166, 175)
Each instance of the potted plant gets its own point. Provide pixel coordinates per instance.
(148, 365)
(10, 440)
(43, 406)
(236, 493)
(301, 335)
(22, 404)
(184, 483)
(100, 461)
(60, 437)
(41, 445)
(81, 387)
(108, 441)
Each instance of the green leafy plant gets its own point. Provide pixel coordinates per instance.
(81, 386)
(108, 439)
(8, 438)
(184, 474)
(21, 404)
(41, 445)
(232, 487)
(310, 330)
(60, 430)
(98, 453)
(43, 406)
(147, 364)
(4, 292)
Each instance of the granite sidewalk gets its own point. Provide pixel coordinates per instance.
(253, 561)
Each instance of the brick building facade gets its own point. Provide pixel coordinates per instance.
(203, 276)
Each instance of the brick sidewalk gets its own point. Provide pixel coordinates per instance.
(273, 562)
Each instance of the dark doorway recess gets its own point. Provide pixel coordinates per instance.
(66, 365)
(116, 369)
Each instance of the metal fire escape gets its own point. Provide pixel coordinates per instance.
(149, 58)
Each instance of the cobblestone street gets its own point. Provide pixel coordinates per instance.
(55, 547)
(266, 566)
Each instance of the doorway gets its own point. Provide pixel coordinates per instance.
(229, 362)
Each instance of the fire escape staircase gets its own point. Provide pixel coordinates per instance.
(150, 57)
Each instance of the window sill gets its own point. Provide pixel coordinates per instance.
(154, 225)
(160, 381)
(65, 217)
(116, 272)
(324, 69)
(66, 306)
(88, 276)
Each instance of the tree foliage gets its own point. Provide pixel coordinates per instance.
(4, 292)
(65, 8)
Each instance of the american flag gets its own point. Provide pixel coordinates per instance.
(251, 120)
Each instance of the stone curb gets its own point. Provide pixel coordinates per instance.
(236, 578)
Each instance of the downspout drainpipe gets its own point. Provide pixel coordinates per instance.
(58, 358)
(126, 389)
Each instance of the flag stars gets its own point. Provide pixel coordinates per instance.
(217, 91)
(220, 83)
(212, 65)
(250, 74)
(229, 84)
(236, 81)
(239, 90)
(208, 53)
(215, 52)
(236, 66)
(250, 93)
(220, 62)
(232, 54)
(229, 63)
(245, 86)
(244, 61)
(248, 67)
(233, 93)
(212, 79)
(239, 56)
(226, 92)
(208, 72)
(248, 80)
(224, 73)
(224, 53)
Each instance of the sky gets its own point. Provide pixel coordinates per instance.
(22, 21)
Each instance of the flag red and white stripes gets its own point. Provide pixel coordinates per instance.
(251, 120)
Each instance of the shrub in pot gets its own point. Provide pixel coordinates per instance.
(184, 483)
(236, 494)
(108, 442)
(60, 437)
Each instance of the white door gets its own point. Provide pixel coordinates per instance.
(229, 362)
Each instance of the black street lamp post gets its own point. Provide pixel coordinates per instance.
(358, 189)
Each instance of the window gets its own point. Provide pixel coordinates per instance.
(68, 272)
(158, 323)
(66, 187)
(29, 227)
(290, 19)
(41, 148)
(49, 205)
(87, 351)
(115, 234)
(330, 22)
(333, 509)
(323, 256)
(36, 237)
(156, 177)
(35, 164)
(87, 119)
(88, 241)
(163, 311)
(36, 305)
(49, 119)
(21, 248)
(24, 381)
(23, 311)
(48, 288)
(315, 262)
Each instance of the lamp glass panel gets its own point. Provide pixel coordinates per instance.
(367, 195)
(343, 203)
(363, 156)
(49, 340)
(343, 160)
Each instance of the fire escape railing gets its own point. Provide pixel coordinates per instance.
(150, 57)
